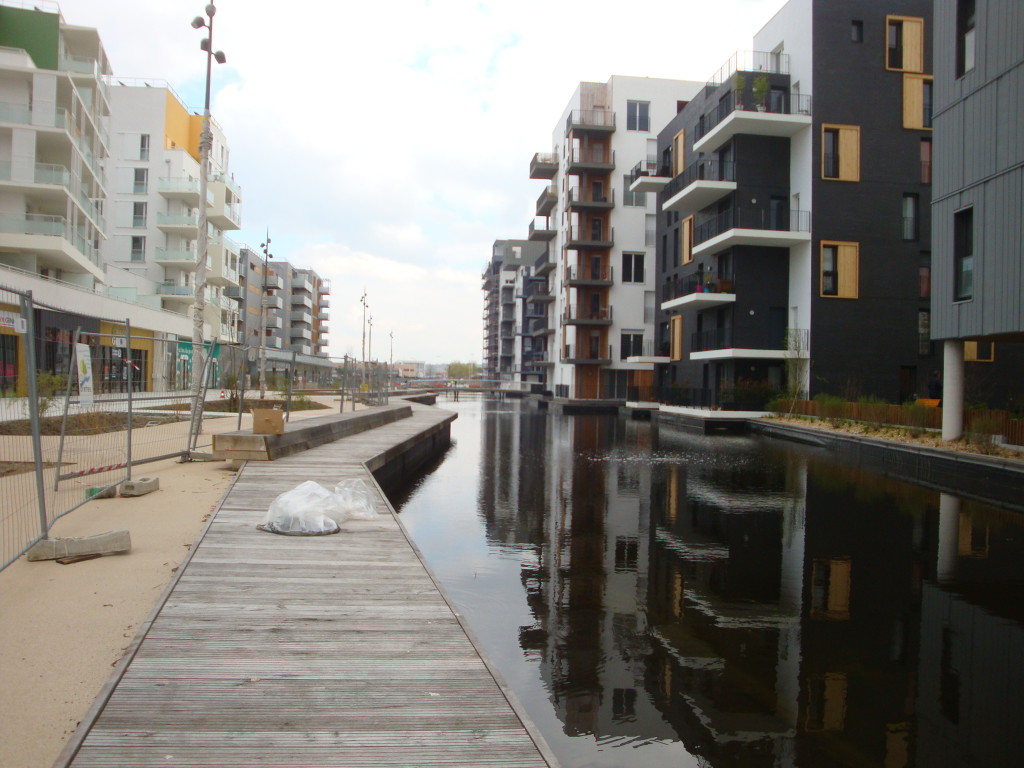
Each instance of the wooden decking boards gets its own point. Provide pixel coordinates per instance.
(306, 651)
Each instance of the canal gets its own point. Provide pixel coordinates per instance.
(655, 597)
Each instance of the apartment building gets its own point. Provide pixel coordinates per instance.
(794, 213)
(54, 105)
(295, 306)
(516, 297)
(977, 306)
(599, 234)
(153, 206)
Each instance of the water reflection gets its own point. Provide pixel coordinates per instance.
(657, 597)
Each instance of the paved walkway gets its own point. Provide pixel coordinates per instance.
(306, 651)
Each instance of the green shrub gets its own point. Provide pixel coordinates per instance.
(750, 395)
(831, 408)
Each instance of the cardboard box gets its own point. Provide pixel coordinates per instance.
(267, 421)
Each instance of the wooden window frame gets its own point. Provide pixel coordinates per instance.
(913, 44)
(848, 147)
(913, 101)
(971, 352)
(675, 338)
(847, 269)
(686, 227)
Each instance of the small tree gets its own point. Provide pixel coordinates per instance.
(760, 90)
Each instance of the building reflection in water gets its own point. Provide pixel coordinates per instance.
(755, 601)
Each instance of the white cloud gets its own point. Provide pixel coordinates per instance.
(386, 145)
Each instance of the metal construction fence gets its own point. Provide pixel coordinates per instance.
(84, 400)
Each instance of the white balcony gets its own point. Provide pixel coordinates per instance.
(178, 224)
(732, 229)
(185, 259)
(52, 240)
(785, 121)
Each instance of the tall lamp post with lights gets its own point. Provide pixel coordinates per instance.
(267, 256)
(363, 302)
(205, 145)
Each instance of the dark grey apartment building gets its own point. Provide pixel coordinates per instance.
(978, 209)
(794, 231)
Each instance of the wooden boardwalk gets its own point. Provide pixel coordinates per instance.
(306, 651)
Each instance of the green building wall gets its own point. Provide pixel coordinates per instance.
(37, 32)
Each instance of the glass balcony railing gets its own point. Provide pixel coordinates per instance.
(707, 169)
(775, 221)
(32, 224)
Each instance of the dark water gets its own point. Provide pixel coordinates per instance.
(657, 598)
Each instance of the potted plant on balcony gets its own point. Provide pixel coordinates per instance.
(739, 83)
(761, 93)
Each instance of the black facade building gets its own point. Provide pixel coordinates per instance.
(794, 227)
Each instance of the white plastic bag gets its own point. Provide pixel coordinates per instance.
(356, 499)
(309, 509)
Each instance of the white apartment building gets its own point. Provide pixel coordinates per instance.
(153, 207)
(53, 141)
(600, 236)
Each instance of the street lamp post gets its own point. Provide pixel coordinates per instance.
(205, 145)
(363, 302)
(267, 256)
(369, 347)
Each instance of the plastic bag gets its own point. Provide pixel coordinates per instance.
(309, 509)
(356, 499)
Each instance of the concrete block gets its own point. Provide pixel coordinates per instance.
(101, 493)
(140, 486)
(202, 456)
(108, 543)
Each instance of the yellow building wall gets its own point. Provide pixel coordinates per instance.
(141, 339)
(179, 128)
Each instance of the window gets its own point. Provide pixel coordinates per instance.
(141, 182)
(675, 246)
(638, 116)
(926, 160)
(840, 267)
(687, 229)
(138, 252)
(840, 152)
(632, 198)
(138, 215)
(965, 36)
(631, 343)
(917, 102)
(910, 217)
(979, 351)
(904, 43)
(924, 276)
(676, 338)
(144, 146)
(963, 255)
(924, 333)
(857, 31)
(627, 549)
(632, 267)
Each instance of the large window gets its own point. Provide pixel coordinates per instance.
(840, 270)
(140, 182)
(138, 252)
(911, 224)
(963, 255)
(631, 343)
(676, 337)
(904, 43)
(917, 102)
(138, 215)
(686, 228)
(632, 267)
(144, 146)
(632, 198)
(924, 276)
(638, 116)
(965, 36)
(840, 152)
(926, 160)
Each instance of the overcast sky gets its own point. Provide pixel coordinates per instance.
(387, 144)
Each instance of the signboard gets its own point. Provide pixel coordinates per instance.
(84, 366)
(119, 342)
(14, 321)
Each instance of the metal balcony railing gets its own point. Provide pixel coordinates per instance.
(590, 118)
(575, 312)
(712, 226)
(594, 273)
(596, 352)
(580, 195)
(707, 169)
(592, 156)
(778, 103)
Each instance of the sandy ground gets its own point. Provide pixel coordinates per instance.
(64, 627)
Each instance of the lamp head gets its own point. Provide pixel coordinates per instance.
(211, 10)
(204, 44)
(198, 22)
(220, 57)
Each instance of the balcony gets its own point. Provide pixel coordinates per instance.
(302, 347)
(324, 329)
(272, 281)
(273, 322)
(594, 354)
(185, 259)
(751, 227)
(784, 115)
(543, 265)
(589, 275)
(546, 201)
(223, 267)
(183, 189)
(590, 237)
(540, 327)
(178, 224)
(273, 342)
(719, 344)
(590, 121)
(225, 210)
(582, 199)
(300, 300)
(696, 295)
(323, 288)
(578, 315)
(176, 295)
(300, 332)
(302, 282)
(323, 301)
(301, 316)
(234, 292)
(701, 184)
(273, 302)
(649, 176)
(544, 165)
(541, 229)
(58, 245)
(648, 353)
(597, 158)
(323, 316)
